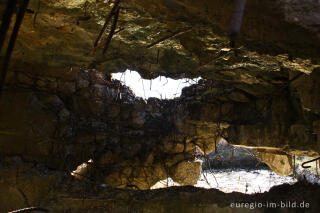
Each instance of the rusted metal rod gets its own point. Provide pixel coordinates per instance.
(158, 54)
(294, 165)
(108, 19)
(309, 161)
(118, 31)
(36, 14)
(172, 35)
(12, 41)
(112, 30)
(6, 20)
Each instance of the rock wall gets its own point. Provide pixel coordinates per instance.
(132, 143)
(53, 190)
(64, 122)
(61, 109)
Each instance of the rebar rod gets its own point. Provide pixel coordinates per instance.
(172, 35)
(11, 44)
(6, 20)
(112, 30)
(108, 19)
(36, 14)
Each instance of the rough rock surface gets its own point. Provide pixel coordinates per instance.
(279, 163)
(186, 173)
(60, 107)
(132, 143)
(229, 156)
(54, 190)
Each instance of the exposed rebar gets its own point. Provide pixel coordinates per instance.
(172, 35)
(6, 20)
(108, 19)
(36, 14)
(112, 30)
(11, 44)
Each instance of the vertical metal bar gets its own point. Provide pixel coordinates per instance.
(294, 165)
(158, 53)
(12, 41)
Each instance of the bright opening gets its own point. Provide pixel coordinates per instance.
(234, 169)
(235, 180)
(160, 87)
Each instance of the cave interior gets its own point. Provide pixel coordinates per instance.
(75, 139)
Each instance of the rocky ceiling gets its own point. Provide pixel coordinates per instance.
(60, 107)
(63, 32)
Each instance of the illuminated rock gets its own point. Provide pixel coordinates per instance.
(279, 163)
(186, 173)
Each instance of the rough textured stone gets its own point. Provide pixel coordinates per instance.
(204, 47)
(279, 163)
(186, 173)
(40, 186)
(229, 156)
(172, 147)
(306, 85)
(83, 171)
(61, 108)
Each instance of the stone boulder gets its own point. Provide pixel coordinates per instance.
(186, 173)
(279, 163)
(230, 156)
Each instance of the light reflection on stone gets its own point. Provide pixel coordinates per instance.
(240, 180)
